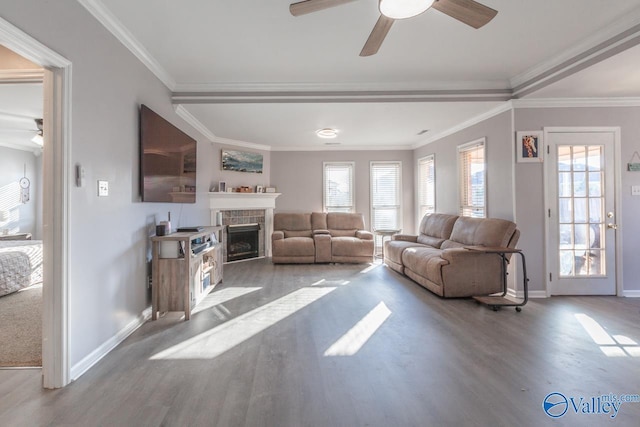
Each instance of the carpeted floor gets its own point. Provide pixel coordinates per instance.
(21, 328)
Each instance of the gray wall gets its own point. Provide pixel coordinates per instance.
(298, 176)
(499, 152)
(22, 217)
(529, 179)
(108, 235)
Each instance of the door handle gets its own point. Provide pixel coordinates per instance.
(612, 226)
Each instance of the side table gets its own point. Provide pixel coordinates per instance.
(495, 302)
(384, 233)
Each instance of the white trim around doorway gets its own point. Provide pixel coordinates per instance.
(56, 190)
(617, 162)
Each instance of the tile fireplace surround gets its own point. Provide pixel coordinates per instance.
(246, 201)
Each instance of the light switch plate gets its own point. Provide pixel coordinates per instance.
(635, 190)
(103, 188)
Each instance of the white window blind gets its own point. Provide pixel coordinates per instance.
(338, 187)
(472, 179)
(426, 186)
(386, 198)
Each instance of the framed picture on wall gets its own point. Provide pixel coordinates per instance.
(529, 147)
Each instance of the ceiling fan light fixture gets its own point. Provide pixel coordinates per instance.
(402, 9)
(37, 139)
(327, 133)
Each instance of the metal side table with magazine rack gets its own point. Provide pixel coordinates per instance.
(495, 302)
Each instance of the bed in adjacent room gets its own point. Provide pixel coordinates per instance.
(20, 264)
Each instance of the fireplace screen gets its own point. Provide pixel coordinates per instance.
(242, 241)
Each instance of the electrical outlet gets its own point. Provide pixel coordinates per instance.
(103, 188)
(635, 190)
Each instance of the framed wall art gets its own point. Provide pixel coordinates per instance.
(241, 161)
(529, 147)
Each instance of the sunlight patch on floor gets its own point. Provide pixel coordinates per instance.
(220, 339)
(351, 342)
(611, 346)
(368, 269)
(220, 297)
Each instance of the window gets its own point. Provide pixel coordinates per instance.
(338, 187)
(386, 197)
(472, 179)
(426, 186)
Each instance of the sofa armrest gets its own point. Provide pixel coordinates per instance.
(364, 235)
(460, 255)
(277, 235)
(405, 238)
(320, 232)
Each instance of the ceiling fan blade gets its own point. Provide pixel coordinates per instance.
(377, 36)
(469, 12)
(309, 6)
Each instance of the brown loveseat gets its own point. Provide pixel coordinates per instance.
(437, 258)
(319, 237)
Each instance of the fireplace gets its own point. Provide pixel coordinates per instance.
(243, 241)
(242, 209)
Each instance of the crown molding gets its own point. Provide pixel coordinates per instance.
(598, 46)
(575, 102)
(344, 148)
(22, 76)
(341, 97)
(234, 87)
(243, 144)
(466, 124)
(200, 127)
(119, 31)
(195, 123)
(27, 47)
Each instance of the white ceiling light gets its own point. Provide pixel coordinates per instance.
(327, 133)
(401, 9)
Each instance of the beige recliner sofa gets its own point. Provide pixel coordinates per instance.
(320, 237)
(437, 259)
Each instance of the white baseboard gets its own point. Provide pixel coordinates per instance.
(96, 355)
(532, 294)
(631, 294)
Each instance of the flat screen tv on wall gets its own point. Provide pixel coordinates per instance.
(167, 161)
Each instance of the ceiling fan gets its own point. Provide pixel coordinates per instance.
(11, 124)
(469, 12)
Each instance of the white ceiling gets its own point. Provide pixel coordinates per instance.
(20, 104)
(249, 72)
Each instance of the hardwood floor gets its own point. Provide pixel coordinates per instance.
(254, 355)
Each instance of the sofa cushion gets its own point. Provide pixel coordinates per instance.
(424, 261)
(292, 221)
(294, 246)
(342, 233)
(436, 228)
(345, 221)
(318, 221)
(480, 231)
(393, 249)
(302, 233)
(293, 224)
(351, 247)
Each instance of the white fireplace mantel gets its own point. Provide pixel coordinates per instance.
(240, 201)
(227, 201)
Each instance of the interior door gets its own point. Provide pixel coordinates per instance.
(581, 210)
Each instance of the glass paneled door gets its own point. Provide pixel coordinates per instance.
(581, 244)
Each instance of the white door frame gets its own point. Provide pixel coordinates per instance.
(617, 183)
(56, 190)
